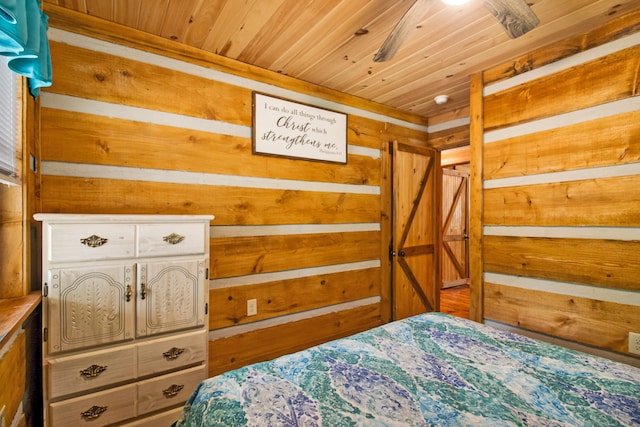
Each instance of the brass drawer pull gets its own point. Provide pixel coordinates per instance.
(93, 371)
(128, 293)
(93, 412)
(173, 390)
(173, 238)
(94, 241)
(143, 291)
(173, 353)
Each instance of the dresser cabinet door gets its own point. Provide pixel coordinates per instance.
(170, 296)
(87, 307)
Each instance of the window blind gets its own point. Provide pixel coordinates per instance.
(8, 124)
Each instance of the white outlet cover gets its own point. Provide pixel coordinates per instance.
(252, 307)
(634, 343)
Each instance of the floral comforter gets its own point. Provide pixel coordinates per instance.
(428, 370)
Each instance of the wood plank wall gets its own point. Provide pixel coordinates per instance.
(138, 124)
(561, 173)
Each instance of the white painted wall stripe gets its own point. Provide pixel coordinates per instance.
(622, 106)
(607, 233)
(181, 177)
(564, 288)
(212, 74)
(252, 279)
(565, 176)
(125, 112)
(563, 64)
(277, 321)
(465, 121)
(279, 230)
(363, 151)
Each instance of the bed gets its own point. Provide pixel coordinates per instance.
(431, 369)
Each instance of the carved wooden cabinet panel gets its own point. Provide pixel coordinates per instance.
(125, 316)
(169, 296)
(88, 306)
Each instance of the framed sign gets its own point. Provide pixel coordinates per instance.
(289, 129)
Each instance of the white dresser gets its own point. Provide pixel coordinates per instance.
(125, 316)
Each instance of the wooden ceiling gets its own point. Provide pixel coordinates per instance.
(332, 42)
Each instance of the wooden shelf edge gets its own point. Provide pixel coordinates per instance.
(13, 313)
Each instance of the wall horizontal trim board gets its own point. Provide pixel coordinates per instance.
(629, 360)
(565, 63)
(611, 233)
(563, 288)
(268, 323)
(143, 115)
(452, 124)
(622, 106)
(273, 230)
(253, 279)
(565, 176)
(80, 170)
(85, 42)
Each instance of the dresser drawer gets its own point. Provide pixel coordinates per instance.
(165, 419)
(73, 374)
(171, 239)
(83, 242)
(172, 352)
(96, 409)
(169, 390)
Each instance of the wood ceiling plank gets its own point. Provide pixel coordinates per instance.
(100, 8)
(251, 26)
(127, 12)
(333, 38)
(283, 31)
(178, 18)
(152, 13)
(230, 20)
(78, 5)
(203, 23)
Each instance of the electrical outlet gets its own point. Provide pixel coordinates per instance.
(252, 307)
(634, 343)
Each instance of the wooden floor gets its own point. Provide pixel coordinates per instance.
(455, 301)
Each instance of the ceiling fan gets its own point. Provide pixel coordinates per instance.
(516, 17)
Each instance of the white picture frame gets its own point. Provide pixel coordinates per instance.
(290, 129)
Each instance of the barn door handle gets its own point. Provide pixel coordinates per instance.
(402, 253)
(466, 237)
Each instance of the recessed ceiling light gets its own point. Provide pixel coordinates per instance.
(441, 99)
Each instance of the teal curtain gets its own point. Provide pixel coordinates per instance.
(23, 40)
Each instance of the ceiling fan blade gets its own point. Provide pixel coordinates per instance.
(408, 22)
(516, 16)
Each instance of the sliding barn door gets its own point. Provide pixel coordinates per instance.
(415, 234)
(455, 234)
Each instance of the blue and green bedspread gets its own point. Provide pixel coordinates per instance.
(427, 370)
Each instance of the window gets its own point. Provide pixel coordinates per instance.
(8, 124)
